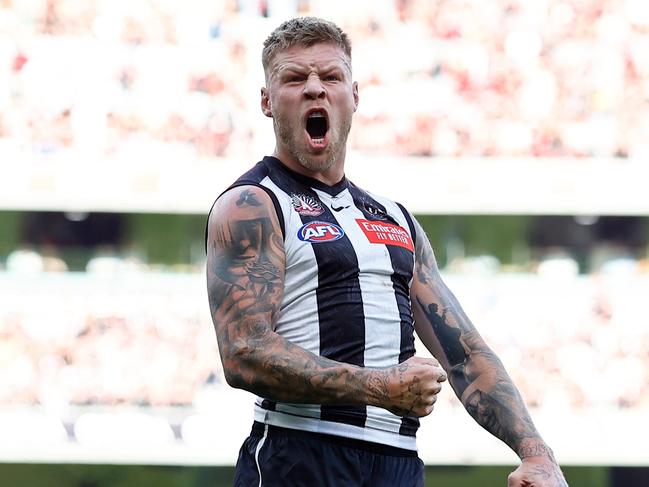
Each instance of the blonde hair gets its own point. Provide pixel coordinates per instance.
(303, 31)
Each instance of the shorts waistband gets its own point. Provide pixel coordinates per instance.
(278, 431)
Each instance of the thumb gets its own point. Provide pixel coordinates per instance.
(514, 480)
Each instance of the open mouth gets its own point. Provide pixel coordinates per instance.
(317, 125)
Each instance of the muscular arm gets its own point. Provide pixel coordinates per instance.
(475, 372)
(245, 282)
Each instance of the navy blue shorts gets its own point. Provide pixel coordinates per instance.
(281, 457)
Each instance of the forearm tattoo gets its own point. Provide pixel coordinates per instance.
(245, 280)
(475, 372)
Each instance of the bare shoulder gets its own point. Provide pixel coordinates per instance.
(245, 254)
(241, 203)
(426, 270)
(244, 215)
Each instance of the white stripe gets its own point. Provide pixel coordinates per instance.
(379, 418)
(259, 445)
(382, 320)
(307, 410)
(367, 433)
(297, 321)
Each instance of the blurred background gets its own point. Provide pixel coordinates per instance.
(516, 130)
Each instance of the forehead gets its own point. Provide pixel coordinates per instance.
(318, 56)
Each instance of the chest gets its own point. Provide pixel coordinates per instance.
(348, 235)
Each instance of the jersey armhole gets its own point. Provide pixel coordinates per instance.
(411, 224)
(273, 198)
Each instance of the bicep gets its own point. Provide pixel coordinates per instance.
(245, 264)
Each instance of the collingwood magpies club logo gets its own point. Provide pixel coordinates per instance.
(306, 205)
(377, 213)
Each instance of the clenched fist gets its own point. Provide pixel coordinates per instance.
(409, 388)
(539, 471)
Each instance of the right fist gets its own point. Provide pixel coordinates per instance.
(411, 387)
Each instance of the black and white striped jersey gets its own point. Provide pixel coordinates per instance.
(349, 265)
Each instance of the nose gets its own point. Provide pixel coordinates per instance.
(313, 88)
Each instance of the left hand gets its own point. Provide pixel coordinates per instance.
(537, 471)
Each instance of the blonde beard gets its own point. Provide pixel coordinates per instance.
(334, 151)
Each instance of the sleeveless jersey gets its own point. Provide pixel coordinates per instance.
(349, 265)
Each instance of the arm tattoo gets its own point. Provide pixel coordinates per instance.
(247, 197)
(475, 372)
(245, 280)
(449, 338)
(245, 265)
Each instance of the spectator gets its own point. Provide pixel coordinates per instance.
(508, 78)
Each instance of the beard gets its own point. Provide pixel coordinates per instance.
(293, 138)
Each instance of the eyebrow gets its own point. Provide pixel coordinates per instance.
(297, 68)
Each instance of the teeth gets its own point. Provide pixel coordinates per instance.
(316, 115)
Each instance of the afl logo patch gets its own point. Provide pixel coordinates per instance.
(306, 205)
(320, 232)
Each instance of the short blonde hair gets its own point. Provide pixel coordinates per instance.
(303, 31)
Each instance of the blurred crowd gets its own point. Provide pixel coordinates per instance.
(151, 80)
(571, 343)
(105, 340)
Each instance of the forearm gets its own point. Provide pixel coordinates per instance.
(475, 372)
(491, 398)
(270, 366)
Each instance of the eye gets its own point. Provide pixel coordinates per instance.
(295, 78)
(331, 77)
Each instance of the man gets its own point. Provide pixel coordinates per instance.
(316, 287)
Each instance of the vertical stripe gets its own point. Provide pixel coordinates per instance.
(402, 261)
(339, 301)
(259, 445)
(411, 224)
(297, 321)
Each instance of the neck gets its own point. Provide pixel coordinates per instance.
(329, 174)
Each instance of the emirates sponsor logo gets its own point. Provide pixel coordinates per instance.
(386, 233)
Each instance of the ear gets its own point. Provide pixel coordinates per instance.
(355, 94)
(265, 103)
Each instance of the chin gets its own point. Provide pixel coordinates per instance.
(318, 163)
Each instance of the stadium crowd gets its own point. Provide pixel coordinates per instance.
(145, 79)
(145, 339)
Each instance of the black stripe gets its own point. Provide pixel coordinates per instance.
(268, 405)
(411, 224)
(340, 304)
(402, 261)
